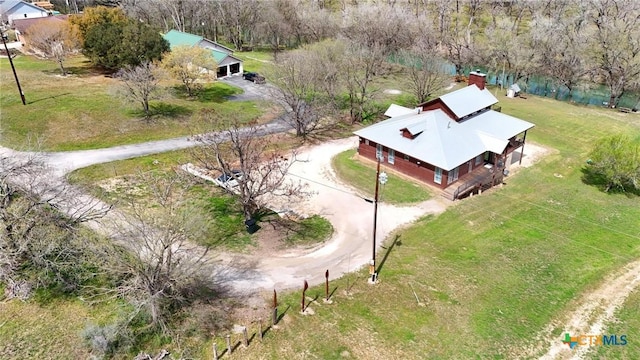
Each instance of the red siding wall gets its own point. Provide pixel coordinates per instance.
(412, 167)
(438, 104)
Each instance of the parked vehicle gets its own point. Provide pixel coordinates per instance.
(229, 180)
(255, 77)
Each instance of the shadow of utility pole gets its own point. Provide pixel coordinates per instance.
(396, 241)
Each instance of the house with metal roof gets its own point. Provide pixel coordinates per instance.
(455, 142)
(227, 63)
(11, 10)
(21, 26)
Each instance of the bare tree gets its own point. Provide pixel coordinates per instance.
(306, 85)
(39, 227)
(615, 44)
(456, 23)
(427, 72)
(361, 66)
(53, 39)
(239, 19)
(513, 53)
(274, 29)
(157, 262)
(561, 44)
(362, 26)
(263, 170)
(140, 84)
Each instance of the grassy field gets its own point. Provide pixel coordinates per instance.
(113, 181)
(255, 61)
(360, 175)
(482, 279)
(48, 331)
(628, 323)
(80, 111)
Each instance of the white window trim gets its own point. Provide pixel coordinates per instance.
(450, 176)
(437, 176)
(391, 157)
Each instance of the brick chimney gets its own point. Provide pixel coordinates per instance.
(478, 78)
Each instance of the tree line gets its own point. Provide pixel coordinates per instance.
(572, 42)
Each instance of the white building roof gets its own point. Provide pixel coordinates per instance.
(468, 100)
(497, 124)
(440, 141)
(397, 110)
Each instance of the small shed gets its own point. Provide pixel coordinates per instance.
(513, 91)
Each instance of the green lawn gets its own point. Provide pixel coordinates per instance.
(111, 181)
(628, 323)
(491, 272)
(362, 176)
(81, 111)
(482, 279)
(48, 331)
(255, 61)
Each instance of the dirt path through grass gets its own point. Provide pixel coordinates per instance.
(591, 313)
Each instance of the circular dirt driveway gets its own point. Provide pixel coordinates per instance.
(352, 218)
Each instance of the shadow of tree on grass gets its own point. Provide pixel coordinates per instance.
(207, 94)
(163, 110)
(593, 178)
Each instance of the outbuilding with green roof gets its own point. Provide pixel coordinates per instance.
(228, 64)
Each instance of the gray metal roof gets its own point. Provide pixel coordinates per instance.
(6, 5)
(442, 142)
(397, 110)
(468, 100)
(497, 124)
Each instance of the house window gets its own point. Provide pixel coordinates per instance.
(453, 176)
(437, 176)
(478, 159)
(406, 157)
(366, 141)
(379, 151)
(392, 156)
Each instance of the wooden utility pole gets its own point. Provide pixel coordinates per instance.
(304, 290)
(15, 75)
(326, 285)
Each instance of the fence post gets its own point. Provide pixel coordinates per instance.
(215, 351)
(245, 337)
(229, 348)
(275, 308)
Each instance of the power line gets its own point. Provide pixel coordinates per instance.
(573, 217)
(555, 234)
(331, 187)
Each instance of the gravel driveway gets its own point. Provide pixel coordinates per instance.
(252, 92)
(352, 218)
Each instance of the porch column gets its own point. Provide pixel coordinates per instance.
(524, 139)
(228, 70)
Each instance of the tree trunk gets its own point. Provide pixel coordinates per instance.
(62, 69)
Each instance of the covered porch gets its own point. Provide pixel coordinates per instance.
(480, 178)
